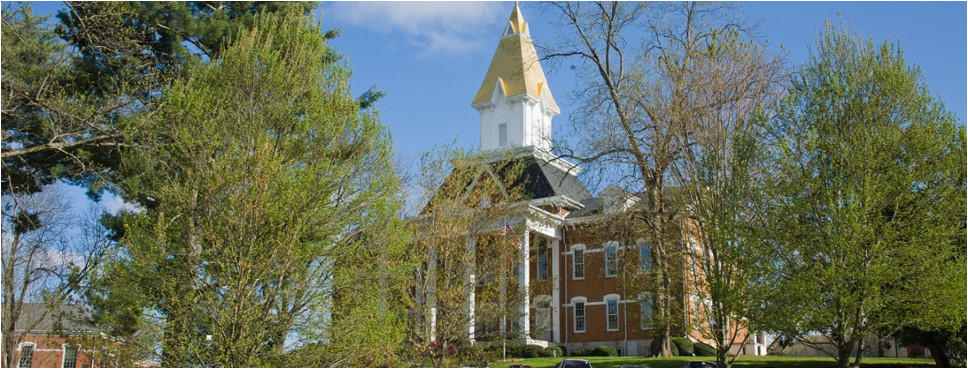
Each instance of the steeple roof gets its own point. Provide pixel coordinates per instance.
(515, 65)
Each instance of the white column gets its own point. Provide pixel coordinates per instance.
(524, 281)
(555, 297)
(471, 286)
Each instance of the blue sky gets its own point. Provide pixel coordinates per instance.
(430, 57)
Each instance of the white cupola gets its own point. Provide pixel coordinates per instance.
(514, 101)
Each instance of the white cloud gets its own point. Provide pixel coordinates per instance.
(432, 28)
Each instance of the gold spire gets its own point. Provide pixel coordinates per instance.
(516, 21)
(515, 65)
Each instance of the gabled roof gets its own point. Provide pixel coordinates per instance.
(515, 66)
(533, 175)
(66, 318)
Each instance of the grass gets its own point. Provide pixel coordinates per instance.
(742, 362)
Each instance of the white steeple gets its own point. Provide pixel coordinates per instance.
(514, 101)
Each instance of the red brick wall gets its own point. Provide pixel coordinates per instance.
(594, 287)
(49, 353)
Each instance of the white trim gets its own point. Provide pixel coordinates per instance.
(609, 298)
(605, 246)
(77, 352)
(20, 352)
(555, 292)
(641, 300)
(574, 314)
(584, 270)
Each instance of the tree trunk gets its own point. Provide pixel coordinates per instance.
(860, 353)
(939, 354)
(10, 314)
(843, 354)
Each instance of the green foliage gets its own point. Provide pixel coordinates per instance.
(275, 212)
(459, 231)
(703, 349)
(44, 139)
(744, 361)
(477, 355)
(595, 351)
(947, 347)
(531, 351)
(684, 346)
(869, 203)
(554, 351)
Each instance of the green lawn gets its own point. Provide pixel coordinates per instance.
(742, 362)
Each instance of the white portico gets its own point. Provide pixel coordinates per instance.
(516, 108)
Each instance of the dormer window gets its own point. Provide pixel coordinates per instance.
(502, 135)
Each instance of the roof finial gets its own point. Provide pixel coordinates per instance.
(516, 23)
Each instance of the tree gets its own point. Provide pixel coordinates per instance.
(263, 181)
(869, 209)
(947, 346)
(732, 84)
(469, 249)
(52, 130)
(70, 105)
(47, 255)
(637, 62)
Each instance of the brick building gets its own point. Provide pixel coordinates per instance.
(578, 288)
(49, 343)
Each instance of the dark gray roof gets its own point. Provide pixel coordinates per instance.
(542, 179)
(538, 178)
(63, 318)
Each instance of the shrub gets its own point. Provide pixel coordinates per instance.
(674, 349)
(513, 349)
(684, 345)
(605, 351)
(476, 355)
(553, 351)
(531, 351)
(596, 351)
(702, 349)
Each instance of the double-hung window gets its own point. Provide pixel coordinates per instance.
(26, 355)
(579, 316)
(645, 311)
(611, 314)
(611, 259)
(645, 257)
(70, 356)
(578, 264)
